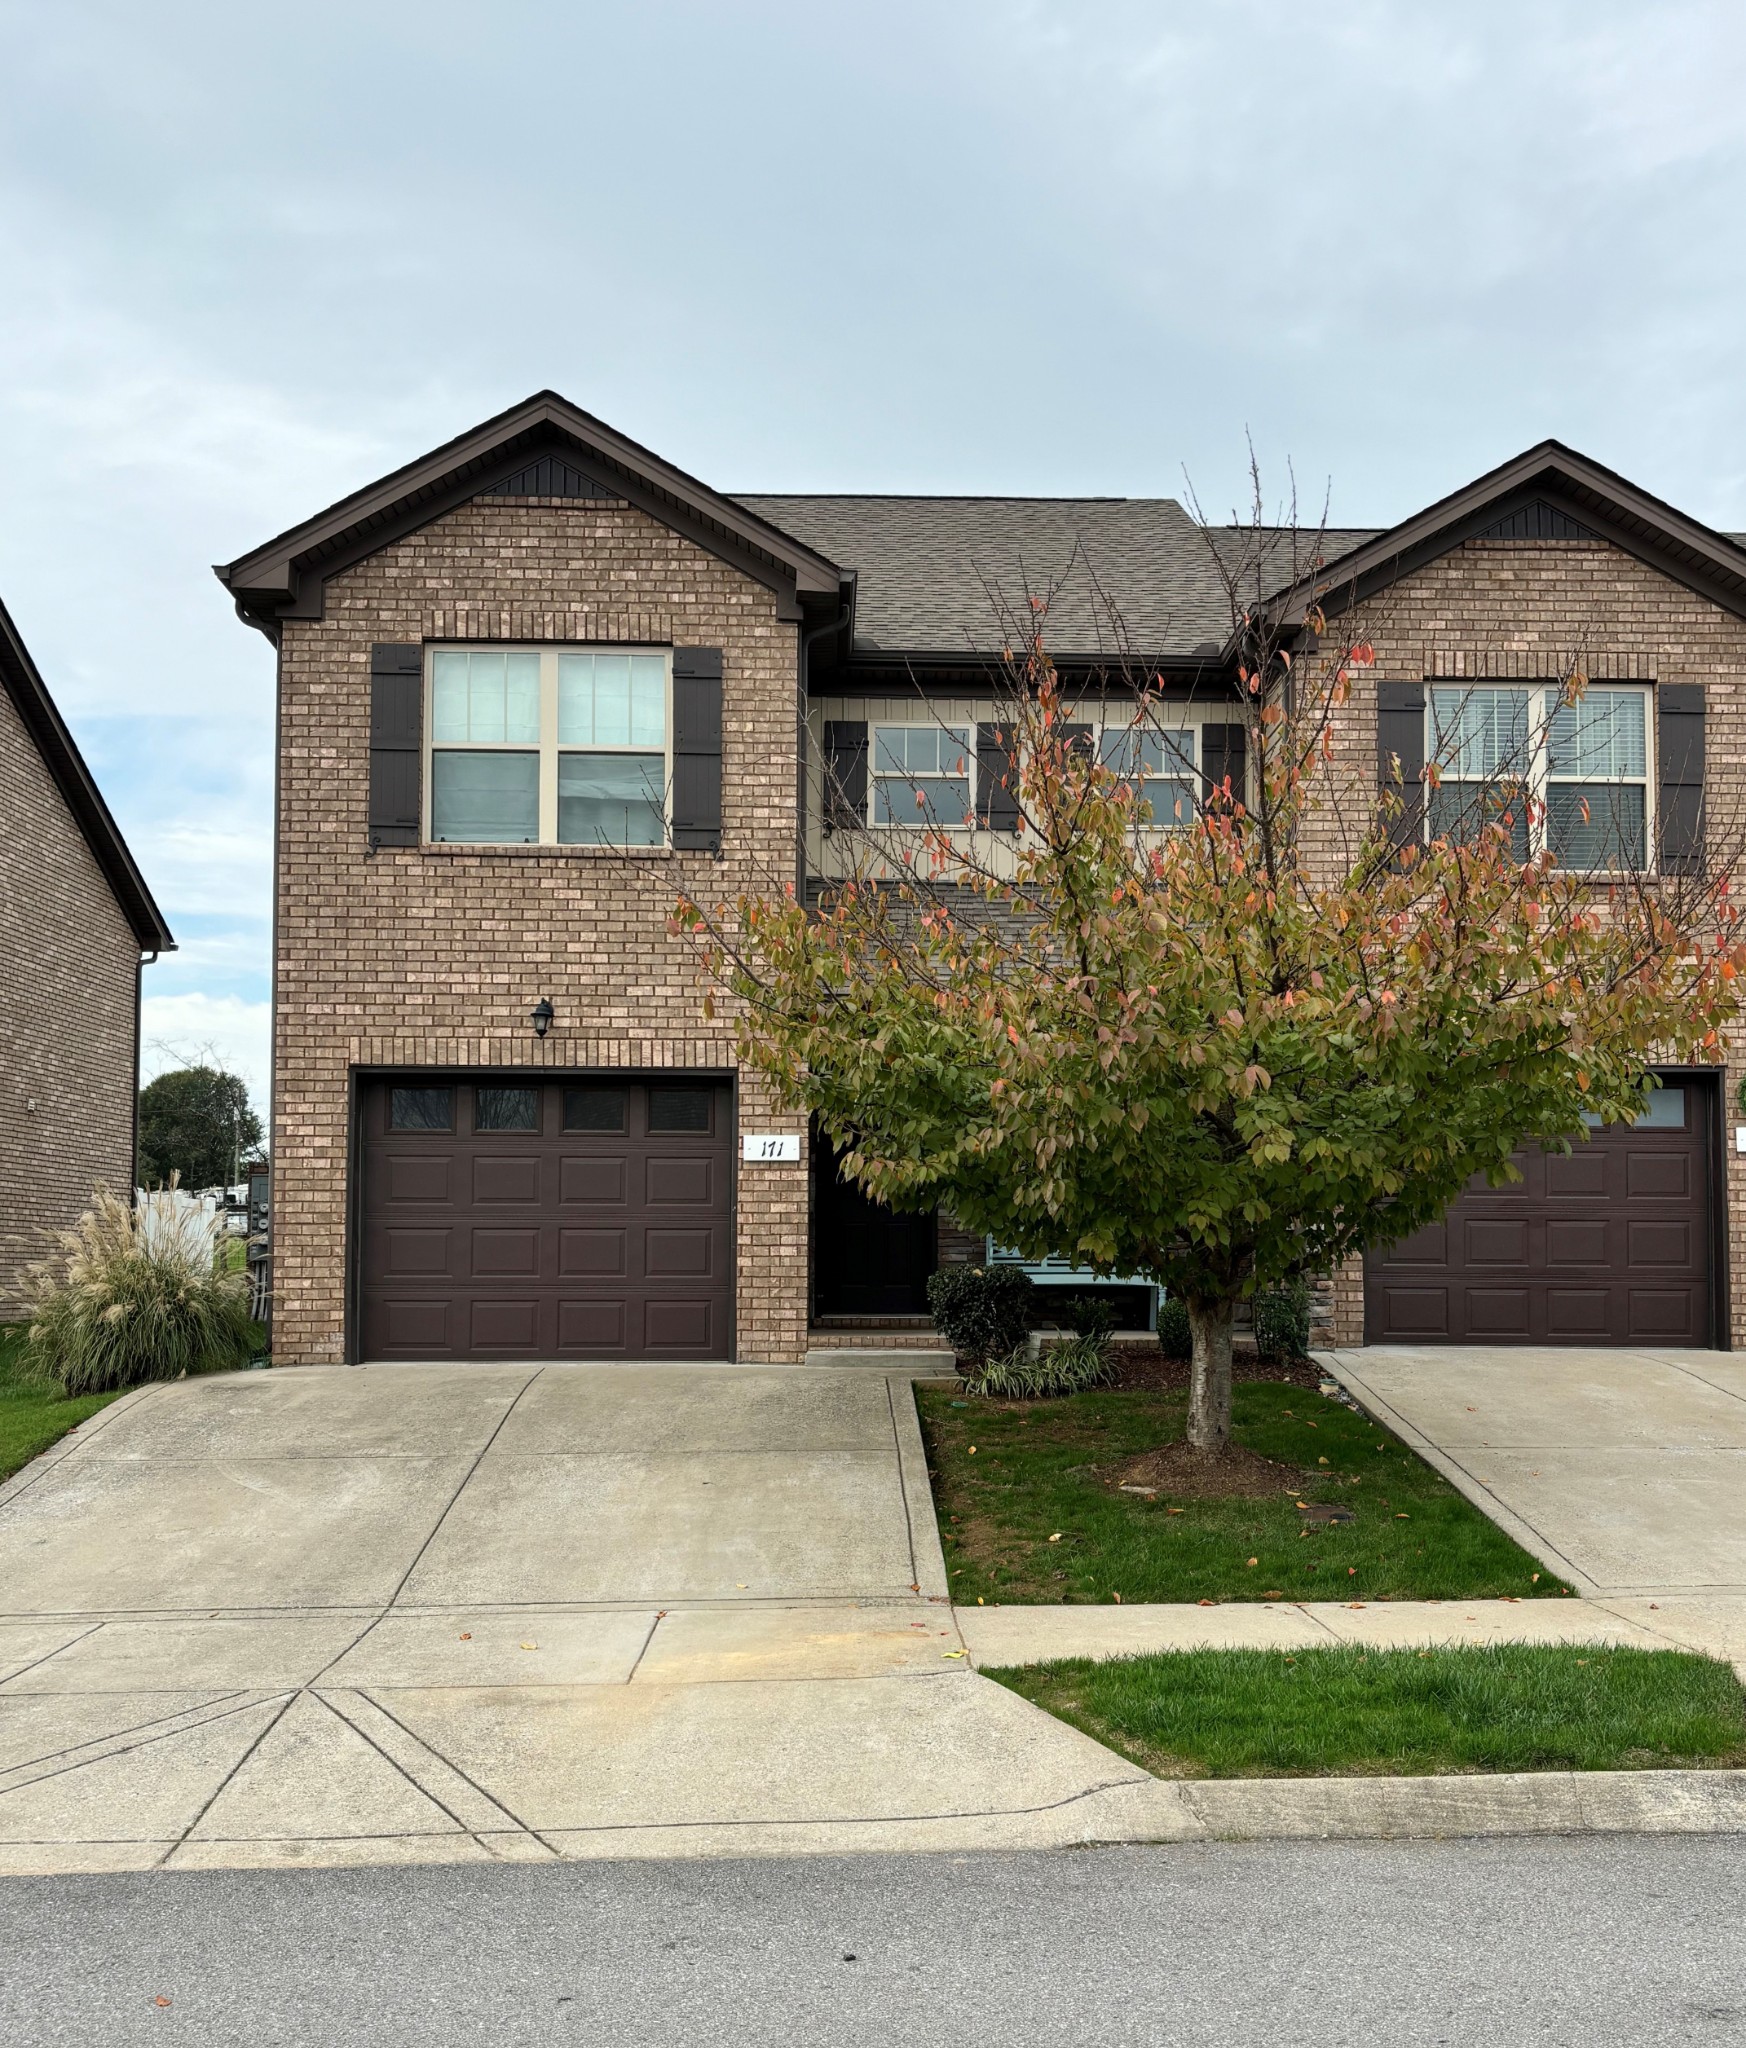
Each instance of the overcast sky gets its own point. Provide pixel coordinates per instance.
(252, 257)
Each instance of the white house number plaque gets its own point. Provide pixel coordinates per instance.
(770, 1149)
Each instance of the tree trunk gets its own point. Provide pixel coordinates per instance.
(1209, 1386)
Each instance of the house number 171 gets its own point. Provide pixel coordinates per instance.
(771, 1149)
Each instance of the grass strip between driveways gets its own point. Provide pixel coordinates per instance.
(1399, 1713)
(32, 1418)
(1030, 1514)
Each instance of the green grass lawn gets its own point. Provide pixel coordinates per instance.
(30, 1419)
(1032, 1518)
(1403, 1713)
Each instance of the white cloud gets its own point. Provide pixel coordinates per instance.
(198, 1029)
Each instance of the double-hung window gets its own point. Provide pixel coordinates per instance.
(553, 746)
(1158, 766)
(1570, 778)
(921, 775)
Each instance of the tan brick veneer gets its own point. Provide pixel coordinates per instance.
(68, 963)
(413, 956)
(1525, 609)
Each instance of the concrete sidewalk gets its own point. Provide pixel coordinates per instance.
(463, 1613)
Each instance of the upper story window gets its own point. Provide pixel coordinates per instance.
(1571, 778)
(554, 746)
(921, 775)
(1158, 766)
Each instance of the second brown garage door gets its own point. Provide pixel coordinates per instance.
(575, 1219)
(1609, 1244)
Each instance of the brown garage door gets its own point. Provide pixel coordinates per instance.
(1608, 1245)
(573, 1219)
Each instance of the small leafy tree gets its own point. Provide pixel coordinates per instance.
(195, 1122)
(1228, 1054)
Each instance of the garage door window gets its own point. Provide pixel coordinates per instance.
(1568, 779)
(679, 1109)
(421, 1109)
(594, 1109)
(507, 1109)
(548, 746)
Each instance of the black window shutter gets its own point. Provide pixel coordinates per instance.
(396, 742)
(697, 748)
(997, 796)
(1679, 749)
(1400, 753)
(845, 773)
(1224, 753)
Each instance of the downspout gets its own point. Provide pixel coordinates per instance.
(140, 965)
(835, 625)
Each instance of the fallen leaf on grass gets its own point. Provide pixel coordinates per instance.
(1254, 1560)
(1056, 1537)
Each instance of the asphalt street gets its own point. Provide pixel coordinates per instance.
(1591, 1941)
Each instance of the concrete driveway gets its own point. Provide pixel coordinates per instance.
(1624, 1470)
(402, 1613)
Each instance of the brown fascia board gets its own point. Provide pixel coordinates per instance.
(66, 765)
(1708, 562)
(285, 577)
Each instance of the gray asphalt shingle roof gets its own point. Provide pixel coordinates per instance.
(936, 574)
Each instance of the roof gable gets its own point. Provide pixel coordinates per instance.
(544, 447)
(41, 719)
(1549, 492)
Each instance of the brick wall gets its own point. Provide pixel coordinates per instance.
(68, 963)
(435, 956)
(1533, 608)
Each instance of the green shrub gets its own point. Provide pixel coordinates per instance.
(1092, 1315)
(1066, 1367)
(1282, 1322)
(133, 1294)
(983, 1312)
(1175, 1339)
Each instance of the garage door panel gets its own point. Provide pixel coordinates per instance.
(418, 1328)
(1418, 1311)
(674, 1183)
(1608, 1244)
(593, 1180)
(1497, 1312)
(1659, 1244)
(505, 1325)
(680, 1326)
(609, 1238)
(498, 1180)
(592, 1253)
(1578, 1314)
(592, 1326)
(1581, 1174)
(1571, 1243)
(415, 1179)
(498, 1253)
(1660, 1176)
(1497, 1241)
(1663, 1314)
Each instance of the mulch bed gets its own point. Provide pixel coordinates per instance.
(1140, 1366)
(1189, 1474)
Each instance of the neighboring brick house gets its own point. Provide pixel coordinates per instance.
(538, 683)
(75, 921)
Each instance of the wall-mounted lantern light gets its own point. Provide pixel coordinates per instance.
(542, 1016)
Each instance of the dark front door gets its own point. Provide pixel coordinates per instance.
(1610, 1244)
(868, 1260)
(588, 1218)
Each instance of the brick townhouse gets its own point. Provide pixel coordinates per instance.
(76, 922)
(536, 684)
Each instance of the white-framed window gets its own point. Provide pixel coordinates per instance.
(923, 775)
(1573, 779)
(1159, 764)
(548, 746)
